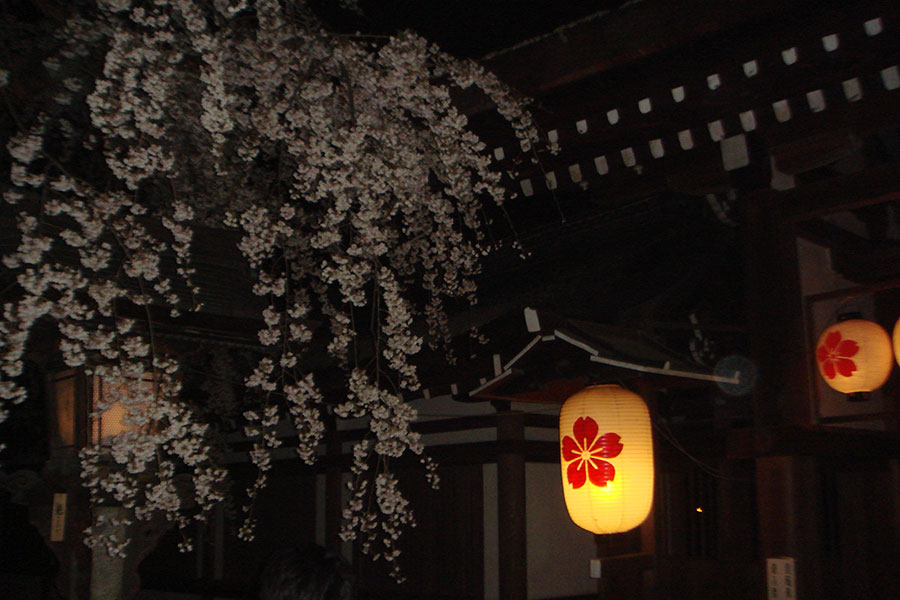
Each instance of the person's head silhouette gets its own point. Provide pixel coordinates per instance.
(307, 573)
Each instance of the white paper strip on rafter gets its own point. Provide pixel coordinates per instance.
(852, 90)
(789, 55)
(816, 100)
(735, 152)
(575, 172)
(831, 42)
(748, 120)
(782, 110)
(751, 68)
(890, 77)
(873, 27)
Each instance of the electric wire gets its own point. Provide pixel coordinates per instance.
(667, 435)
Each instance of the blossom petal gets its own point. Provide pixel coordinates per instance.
(601, 473)
(608, 445)
(828, 369)
(832, 340)
(585, 430)
(847, 348)
(570, 449)
(822, 354)
(576, 474)
(845, 366)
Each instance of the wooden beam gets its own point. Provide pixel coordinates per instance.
(807, 140)
(813, 441)
(820, 149)
(722, 53)
(616, 39)
(334, 487)
(856, 258)
(874, 185)
(555, 391)
(775, 314)
(835, 238)
(788, 497)
(719, 50)
(513, 546)
(472, 453)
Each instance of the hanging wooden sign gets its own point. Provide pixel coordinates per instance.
(58, 518)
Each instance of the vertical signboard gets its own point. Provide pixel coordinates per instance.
(781, 578)
(58, 518)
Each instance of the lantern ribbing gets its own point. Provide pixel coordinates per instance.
(606, 459)
(854, 356)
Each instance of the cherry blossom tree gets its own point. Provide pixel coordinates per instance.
(355, 186)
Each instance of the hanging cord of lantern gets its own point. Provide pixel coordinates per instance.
(848, 309)
(660, 426)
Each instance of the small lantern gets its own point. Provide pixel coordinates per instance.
(111, 412)
(896, 339)
(606, 458)
(854, 356)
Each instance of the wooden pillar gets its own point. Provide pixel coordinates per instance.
(69, 405)
(892, 520)
(333, 490)
(788, 487)
(788, 492)
(513, 574)
(736, 507)
(894, 492)
(775, 314)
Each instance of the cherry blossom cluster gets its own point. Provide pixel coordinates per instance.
(106, 532)
(355, 190)
(378, 524)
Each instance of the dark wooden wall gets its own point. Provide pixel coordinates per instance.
(444, 555)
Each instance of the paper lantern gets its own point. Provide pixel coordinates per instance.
(896, 339)
(854, 356)
(606, 458)
(113, 403)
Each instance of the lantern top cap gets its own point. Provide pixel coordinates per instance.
(613, 386)
(606, 389)
(850, 315)
(854, 321)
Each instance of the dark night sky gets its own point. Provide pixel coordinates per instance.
(469, 28)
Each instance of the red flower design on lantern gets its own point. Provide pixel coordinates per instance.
(584, 450)
(834, 355)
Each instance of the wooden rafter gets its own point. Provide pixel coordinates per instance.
(622, 122)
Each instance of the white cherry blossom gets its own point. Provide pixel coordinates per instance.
(352, 184)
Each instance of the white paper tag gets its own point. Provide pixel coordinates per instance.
(58, 518)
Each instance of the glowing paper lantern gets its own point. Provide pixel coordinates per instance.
(112, 415)
(606, 458)
(896, 338)
(854, 356)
